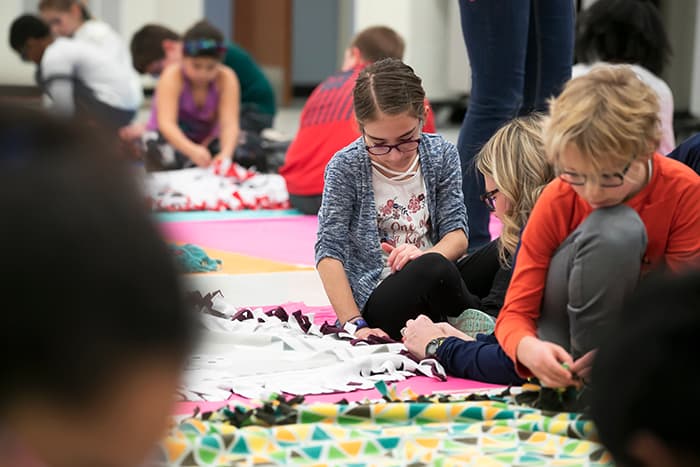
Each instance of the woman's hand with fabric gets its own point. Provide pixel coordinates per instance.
(200, 155)
(223, 159)
(549, 362)
(418, 332)
(400, 255)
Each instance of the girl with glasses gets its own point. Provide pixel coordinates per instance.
(617, 211)
(196, 104)
(392, 221)
(515, 170)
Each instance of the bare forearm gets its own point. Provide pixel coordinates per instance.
(176, 138)
(452, 246)
(228, 138)
(337, 287)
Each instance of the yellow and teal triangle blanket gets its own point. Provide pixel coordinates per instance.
(470, 432)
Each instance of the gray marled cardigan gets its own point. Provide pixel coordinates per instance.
(347, 220)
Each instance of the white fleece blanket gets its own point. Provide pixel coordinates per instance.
(215, 189)
(263, 355)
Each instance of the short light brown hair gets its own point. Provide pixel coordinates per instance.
(378, 42)
(609, 114)
(388, 86)
(514, 157)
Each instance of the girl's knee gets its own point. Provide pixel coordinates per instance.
(434, 264)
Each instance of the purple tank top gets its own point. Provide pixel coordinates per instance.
(195, 122)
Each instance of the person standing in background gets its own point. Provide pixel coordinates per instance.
(520, 53)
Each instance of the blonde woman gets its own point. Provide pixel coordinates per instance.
(515, 170)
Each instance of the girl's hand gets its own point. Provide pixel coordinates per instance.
(200, 156)
(400, 255)
(364, 333)
(222, 159)
(549, 362)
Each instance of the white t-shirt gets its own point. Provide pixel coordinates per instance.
(101, 35)
(68, 63)
(668, 138)
(402, 212)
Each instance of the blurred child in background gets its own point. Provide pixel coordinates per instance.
(78, 79)
(94, 332)
(71, 18)
(196, 103)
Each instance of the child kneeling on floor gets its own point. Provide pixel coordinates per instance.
(196, 105)
(94, 332)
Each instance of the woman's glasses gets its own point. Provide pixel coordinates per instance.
(489, 198)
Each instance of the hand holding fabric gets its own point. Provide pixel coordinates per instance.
(200, 155)
(549, 362)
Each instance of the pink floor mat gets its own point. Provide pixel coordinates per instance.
(288, 240)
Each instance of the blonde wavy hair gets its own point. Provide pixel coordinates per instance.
(514, 157)
(609, 114)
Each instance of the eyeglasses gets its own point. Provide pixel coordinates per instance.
(489, 198)
(612, 180)
(384, 149)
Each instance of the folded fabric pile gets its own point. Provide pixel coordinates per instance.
(438, 430)
(191, 258)
(218, 188)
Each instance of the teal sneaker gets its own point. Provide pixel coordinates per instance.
(473, 322)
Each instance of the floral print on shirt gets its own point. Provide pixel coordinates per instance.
(399, 224)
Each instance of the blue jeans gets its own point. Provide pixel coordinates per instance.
(521, 53)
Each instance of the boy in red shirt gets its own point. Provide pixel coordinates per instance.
(616, 211)
(327, 123)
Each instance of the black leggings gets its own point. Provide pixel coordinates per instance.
(431, 285)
